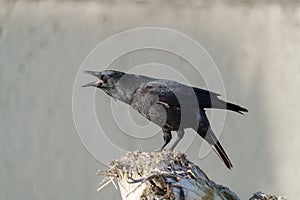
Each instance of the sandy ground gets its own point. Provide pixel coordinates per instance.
(43, 43)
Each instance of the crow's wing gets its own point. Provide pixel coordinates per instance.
(173, 94)
(176, 94)
(207, 99)
(191, 95)
(205, 92)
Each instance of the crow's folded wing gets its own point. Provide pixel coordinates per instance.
(173, 94)
(207, 99)
(176, 94)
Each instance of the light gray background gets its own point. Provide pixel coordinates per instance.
(42, 44)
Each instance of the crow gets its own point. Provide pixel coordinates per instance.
(171, 105)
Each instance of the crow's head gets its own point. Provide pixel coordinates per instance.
(116, 84)
(106, 79)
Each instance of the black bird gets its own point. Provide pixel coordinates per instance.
(171, 105)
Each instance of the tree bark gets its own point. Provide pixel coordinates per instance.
(165, 175)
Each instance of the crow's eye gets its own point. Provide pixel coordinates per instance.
(104, 79)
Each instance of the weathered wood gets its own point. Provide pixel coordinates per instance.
(165, 175)
(162, 175)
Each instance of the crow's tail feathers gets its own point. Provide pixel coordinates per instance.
(219, 103)
(236, 108)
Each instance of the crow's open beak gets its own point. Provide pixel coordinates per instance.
(91, 84)
(94, 83)
(96, 74)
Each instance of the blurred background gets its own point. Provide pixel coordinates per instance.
(42, 44)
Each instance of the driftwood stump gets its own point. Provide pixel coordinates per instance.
(165, 175)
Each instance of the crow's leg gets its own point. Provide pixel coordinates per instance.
(180, 134)
(167, 137)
